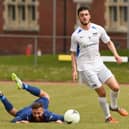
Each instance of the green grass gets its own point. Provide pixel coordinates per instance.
(122, 52)
(48, 68)
(63, 97)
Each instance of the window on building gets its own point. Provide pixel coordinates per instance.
(117, 15)
(21, 15)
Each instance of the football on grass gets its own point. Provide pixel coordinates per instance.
(72, 116)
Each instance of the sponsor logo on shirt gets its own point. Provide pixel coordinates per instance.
(88, 45)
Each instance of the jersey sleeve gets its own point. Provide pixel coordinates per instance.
(50, 116)
(19, 118)
(73, 47)
(104, 36)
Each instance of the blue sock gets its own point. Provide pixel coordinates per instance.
(33, 90)
(8, 106)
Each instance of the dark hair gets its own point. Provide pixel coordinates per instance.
(82, 8)
(36, 105)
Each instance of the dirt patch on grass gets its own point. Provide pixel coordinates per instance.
(67, 83)
(41, 83)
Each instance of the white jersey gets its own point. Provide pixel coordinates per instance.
(86, 44)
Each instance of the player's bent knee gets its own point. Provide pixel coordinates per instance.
(101, 92)
(116, 89)
(102, 95)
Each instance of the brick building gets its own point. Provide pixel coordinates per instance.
(47, 24)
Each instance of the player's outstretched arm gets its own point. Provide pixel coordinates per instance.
(112, 48)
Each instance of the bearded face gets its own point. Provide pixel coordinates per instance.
(84, 17)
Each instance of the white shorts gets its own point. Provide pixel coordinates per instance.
(95, 76)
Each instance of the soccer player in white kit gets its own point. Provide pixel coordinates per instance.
(87, 61)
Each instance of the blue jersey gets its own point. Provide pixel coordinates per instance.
(27, 115)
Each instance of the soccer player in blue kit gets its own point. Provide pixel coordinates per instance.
(37, 111)
(86, 61)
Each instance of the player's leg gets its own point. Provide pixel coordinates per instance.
(31, 89)
(114, 86)
(90, 77)
(102, 101)
(7, 104)
(104, 105)
(35, 91)
(106, 76)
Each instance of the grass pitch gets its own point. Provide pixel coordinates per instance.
(64, 96)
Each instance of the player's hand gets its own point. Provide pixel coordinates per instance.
(118, 59)
(59, 121)
(23, 121)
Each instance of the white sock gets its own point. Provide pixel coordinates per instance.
(105, 107)
(114, 96)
